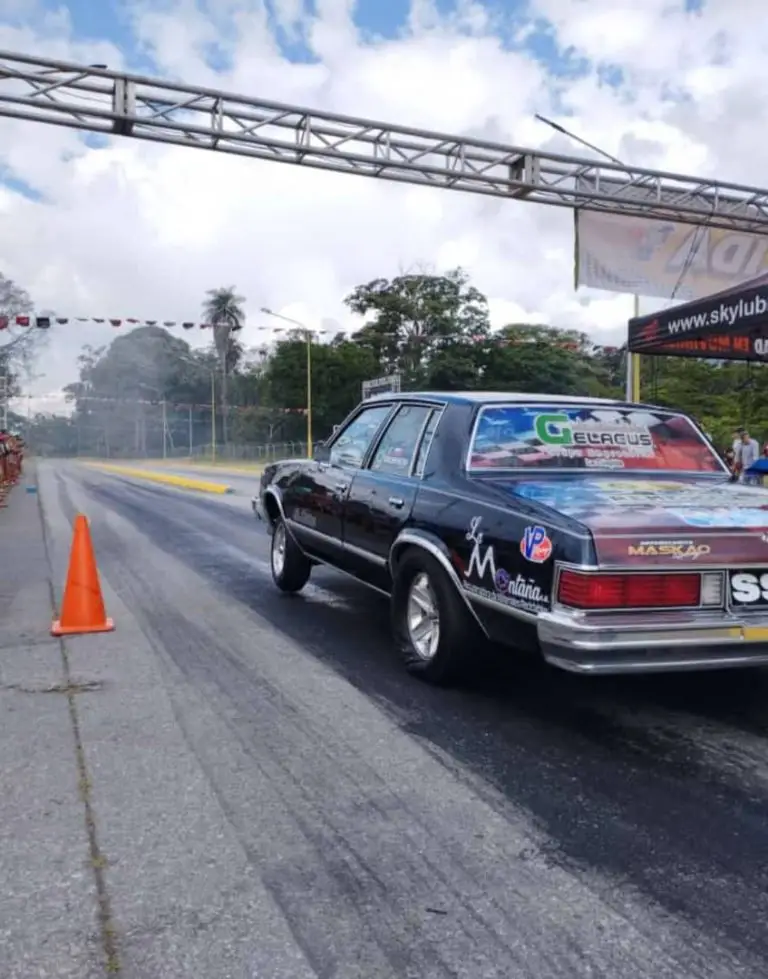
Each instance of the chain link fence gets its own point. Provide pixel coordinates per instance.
(233, 452)
(127, 430)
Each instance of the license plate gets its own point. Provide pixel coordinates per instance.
(749, 589)
(751, 633)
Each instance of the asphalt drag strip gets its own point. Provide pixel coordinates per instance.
(535, 825)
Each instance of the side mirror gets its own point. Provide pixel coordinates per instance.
(322, 453)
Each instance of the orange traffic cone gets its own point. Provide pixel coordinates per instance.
(83, 607)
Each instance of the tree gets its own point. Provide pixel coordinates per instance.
(541, 359)
(415, 316)
(147, 366)
(18, 344)
(223, 309)
(338, 371)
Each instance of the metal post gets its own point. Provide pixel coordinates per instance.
(190, 431)
(213, 416)
(4, 396)
(636, 359)
(309, 394)
(632, 387)
(165, 431)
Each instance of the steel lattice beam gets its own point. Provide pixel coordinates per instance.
(114, 103)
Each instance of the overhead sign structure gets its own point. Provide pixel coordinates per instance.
(381, 385)
(729, 325)
(115, 103)
(663, 259)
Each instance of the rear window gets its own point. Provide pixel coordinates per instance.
(581, 437)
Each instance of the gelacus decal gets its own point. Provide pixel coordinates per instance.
(535, 545)
(561, 429)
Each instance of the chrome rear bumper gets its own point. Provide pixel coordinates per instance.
(670, 642)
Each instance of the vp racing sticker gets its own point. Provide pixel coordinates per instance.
(535, 545)
(497, 583)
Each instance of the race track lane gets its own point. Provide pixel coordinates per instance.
(539, 825)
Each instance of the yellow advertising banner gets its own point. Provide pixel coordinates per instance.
(663, 259)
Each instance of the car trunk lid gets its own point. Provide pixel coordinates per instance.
(648, 522)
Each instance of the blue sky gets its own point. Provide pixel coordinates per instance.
(382, 17)
(110, 20)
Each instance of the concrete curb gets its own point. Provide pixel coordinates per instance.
(170, 479)
(248, 469)
(255, 470)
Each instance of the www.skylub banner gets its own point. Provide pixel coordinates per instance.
(730, 325)
(663, 259)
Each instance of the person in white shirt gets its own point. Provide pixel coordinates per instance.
(736, 446)
(748, 452)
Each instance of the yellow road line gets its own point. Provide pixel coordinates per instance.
(170, 479)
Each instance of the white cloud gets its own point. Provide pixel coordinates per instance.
(143, 230)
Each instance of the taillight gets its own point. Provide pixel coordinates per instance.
(627, 591)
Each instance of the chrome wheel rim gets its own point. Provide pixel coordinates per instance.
(278, 550)
(423, 617)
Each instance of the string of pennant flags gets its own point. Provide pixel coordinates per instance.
(45, 323)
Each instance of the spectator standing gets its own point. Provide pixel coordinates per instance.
(748, 452)
(736, 444)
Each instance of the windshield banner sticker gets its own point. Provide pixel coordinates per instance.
(497, 583)
(520, 436)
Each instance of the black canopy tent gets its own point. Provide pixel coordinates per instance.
(728, 325)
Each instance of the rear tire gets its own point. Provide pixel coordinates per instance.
(291, 568)
(434, 632)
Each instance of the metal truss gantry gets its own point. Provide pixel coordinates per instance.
(99, 100)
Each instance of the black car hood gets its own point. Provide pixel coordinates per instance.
(651, 520)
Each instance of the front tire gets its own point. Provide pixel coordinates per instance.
(291, 568)
(433, 629)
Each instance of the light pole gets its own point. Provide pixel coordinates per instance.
(213, 416)
(308, 337)
(633, 360)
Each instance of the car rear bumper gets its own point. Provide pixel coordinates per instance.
(672, 642)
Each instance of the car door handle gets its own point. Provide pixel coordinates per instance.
(341, 487)
(396, 501)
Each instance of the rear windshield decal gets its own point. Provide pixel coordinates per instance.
(581, 437)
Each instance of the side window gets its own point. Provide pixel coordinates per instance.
(398, 445)
(350, 446)
(426, 442)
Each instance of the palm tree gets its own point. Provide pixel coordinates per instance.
(223, 309)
